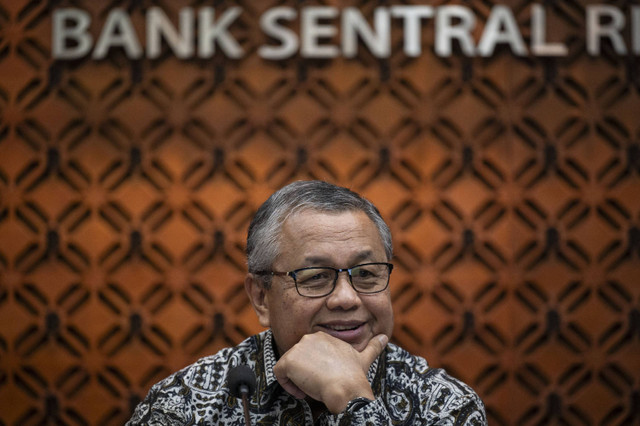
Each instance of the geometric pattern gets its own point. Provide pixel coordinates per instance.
(511, 184)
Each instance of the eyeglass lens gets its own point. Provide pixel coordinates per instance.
(369, 278)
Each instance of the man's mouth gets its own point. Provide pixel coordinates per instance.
(342, 327)
(355, 333)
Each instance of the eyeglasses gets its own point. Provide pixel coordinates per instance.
(366, 278)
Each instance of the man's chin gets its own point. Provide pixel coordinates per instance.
(360, 346)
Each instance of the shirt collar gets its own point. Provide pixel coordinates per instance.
(270, 359)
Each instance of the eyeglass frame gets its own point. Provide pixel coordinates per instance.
(292, 274)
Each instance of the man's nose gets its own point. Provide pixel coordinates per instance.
(344, 296)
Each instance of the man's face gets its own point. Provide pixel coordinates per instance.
(340, 240)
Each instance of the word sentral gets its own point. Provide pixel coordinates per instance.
(329, 32)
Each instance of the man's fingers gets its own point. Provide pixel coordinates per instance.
(373, 349)
(290, 387)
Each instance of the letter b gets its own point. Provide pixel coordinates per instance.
(77, 33)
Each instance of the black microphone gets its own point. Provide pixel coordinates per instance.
(242, 383)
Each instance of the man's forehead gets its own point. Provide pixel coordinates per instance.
(306, 229)
(311, 211)
(363, 255)
(300, 221)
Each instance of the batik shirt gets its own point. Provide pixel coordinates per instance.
(407, 392)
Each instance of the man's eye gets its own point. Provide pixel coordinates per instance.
(363, 273)
(311, 277)
(321, 276)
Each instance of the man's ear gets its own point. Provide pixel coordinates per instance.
(258, 297)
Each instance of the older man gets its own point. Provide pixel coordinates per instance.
(318, 257)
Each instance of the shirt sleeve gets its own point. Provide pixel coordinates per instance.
(452, 402)
(431, 399)
(161, 406)
(463, 410)
(365, 412)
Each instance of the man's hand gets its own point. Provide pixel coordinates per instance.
(328, 369)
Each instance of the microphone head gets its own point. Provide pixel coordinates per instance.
(241, 379)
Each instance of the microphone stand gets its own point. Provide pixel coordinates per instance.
(245, 405)
(242, 383)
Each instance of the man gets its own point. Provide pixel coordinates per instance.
(318, 258)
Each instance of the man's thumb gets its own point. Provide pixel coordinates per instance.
(373, 349)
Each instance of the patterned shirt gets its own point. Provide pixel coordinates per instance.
(407, 391)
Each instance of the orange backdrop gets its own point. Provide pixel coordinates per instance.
(511, 184)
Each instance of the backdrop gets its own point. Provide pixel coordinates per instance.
(511, 184)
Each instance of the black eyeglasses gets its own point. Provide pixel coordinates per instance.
(366, 278)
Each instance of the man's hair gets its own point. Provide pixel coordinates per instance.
(263, 239)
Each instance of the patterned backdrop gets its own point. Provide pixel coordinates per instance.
(511, 184)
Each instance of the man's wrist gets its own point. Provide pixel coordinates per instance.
(357, 403)
(342, 402)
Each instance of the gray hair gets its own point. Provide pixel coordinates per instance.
(264, 230)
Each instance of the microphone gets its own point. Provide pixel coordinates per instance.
(242, 383)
